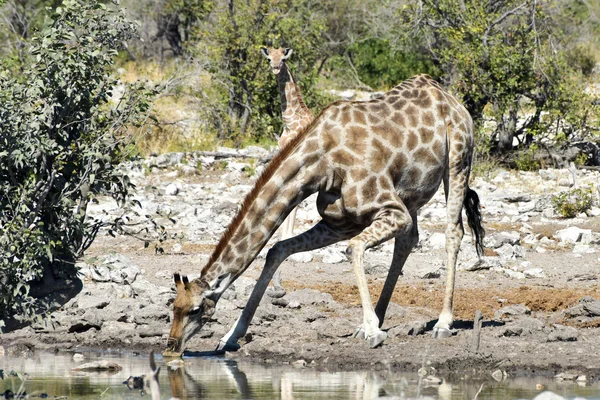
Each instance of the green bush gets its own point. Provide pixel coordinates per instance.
(60, 141)
(573, 202)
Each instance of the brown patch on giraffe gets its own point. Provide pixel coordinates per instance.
(346, 116)
(359, 118)
(413, 140)
(331, 138)
(396, 139)
(358, 174)
(414, 175)
(356, 139)
(424, 100)
(335, 113)
(242, 246)
(426, 135)
(378, 107)
(442, 110)
(310, 146)
(373, 119)
(343, 157)
(384, 130)
(427, 118)
(384, 198)
(413, 115)
(399, 164)
(399, 119)
(244, 231)
(438, 149)
(458, 146)
(369, 189)
(382, 153)
(385, 183)
(425, 156)
(350, 197)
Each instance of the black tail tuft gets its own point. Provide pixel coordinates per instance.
(473, 211)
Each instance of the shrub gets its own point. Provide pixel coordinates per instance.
(60, 143)
(573, 202)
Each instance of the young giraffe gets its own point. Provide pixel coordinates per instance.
(373, 164)
(296, 117)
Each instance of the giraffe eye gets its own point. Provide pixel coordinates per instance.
(195, 310)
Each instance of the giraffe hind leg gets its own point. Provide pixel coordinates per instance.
(392, 220)
(402, 247)
(456, 186)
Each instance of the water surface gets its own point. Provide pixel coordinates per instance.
(220, 378)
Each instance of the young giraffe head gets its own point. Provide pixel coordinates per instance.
(276, 57)
(192, 308)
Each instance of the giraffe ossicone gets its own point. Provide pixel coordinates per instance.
(373, 165)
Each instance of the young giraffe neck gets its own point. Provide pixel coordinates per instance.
(292, 105)
(287, 180)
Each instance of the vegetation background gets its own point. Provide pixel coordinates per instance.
(85, 85)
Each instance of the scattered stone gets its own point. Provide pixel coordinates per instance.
(534, 273)
(413, 328)
(510, 331)
(77, 357)
(102, 365)
(437, 240)
(547, 174)
(547, 395)
(280, 302)
(481, 263)
(581, 378)
(432, 380)
(172, 189)
(2, 351)
(581, 248)
(508, 251)
(571, 235)
(498, 375)
(305, 257)
(332, 256)
(517, 197)
(377, 269)
(502, 238)
(512, 310)
(310, 297)
(563, 334)
(513, 274)
(294, 305)
(299, 364)
(566, 376)
(587, 307)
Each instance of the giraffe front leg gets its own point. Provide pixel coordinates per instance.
(391, 221)
(320, 235)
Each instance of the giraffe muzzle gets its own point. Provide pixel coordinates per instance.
(173, 348)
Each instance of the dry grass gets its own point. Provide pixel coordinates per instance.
(466, 301)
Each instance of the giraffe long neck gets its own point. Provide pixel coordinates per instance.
(287, 180)
(293, 108)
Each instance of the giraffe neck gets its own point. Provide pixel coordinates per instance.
(282, 186)
(293, 108)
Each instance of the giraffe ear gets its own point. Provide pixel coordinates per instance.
(265, 52)
(287, 52)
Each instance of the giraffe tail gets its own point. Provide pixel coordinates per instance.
(473, 211)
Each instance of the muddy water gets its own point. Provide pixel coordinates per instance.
(51, 375)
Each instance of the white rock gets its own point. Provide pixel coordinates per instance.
(540, 249)
(333, 256)
(572, 234)
(514, 274)
(549, 396)
(595, 211)
(437, 240)
(305, 257)
(534, 273)
(171, 189)
(581, 248)
(479, 264)
(547, 174)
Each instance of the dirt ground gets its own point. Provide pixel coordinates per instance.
(540, 338)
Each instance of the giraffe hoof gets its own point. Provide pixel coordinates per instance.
(377, 339)
(224, 346)
(359, 333)
(442, 333)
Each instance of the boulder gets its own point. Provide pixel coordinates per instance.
(572, 234)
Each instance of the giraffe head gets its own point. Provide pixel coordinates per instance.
(193, 307)
(276, 57)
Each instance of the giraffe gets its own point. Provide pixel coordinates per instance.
(373, 164)
(296, 117)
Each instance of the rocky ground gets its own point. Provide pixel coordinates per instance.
(538, 285)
